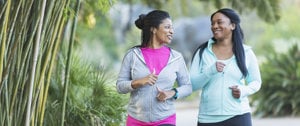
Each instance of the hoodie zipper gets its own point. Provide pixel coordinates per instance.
(171, 60)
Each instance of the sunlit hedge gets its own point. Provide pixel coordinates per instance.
(279, 94)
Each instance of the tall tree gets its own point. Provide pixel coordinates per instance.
(268, 10)
(31, 32)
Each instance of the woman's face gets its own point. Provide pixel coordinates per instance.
(221, 27)
(164, 33)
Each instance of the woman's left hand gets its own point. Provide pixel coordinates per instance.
(164, 95)
(236, 92)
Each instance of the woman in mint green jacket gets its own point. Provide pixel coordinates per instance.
(227, 72)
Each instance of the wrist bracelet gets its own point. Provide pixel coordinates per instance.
(176, 93)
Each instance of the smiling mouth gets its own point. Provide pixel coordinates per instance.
(170, 37)
(216, 31)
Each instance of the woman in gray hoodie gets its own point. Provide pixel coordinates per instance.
(149, 72)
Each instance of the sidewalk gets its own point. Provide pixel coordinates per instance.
(187, 116)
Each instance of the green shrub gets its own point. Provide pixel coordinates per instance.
(92, 98)
(279, 94)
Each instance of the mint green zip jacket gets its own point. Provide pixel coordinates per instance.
(216, 97)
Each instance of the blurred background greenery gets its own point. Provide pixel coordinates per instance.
(81, 50)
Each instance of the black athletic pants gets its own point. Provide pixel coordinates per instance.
(239, 120)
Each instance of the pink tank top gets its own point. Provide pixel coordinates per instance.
(156, 59)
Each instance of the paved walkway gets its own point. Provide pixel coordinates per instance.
(187, 116)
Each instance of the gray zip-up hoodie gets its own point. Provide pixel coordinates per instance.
(143, 104)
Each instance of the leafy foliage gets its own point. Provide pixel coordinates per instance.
(268, 10)
(279, 34)
(92, 99)
(90, 8)
(279, 94)
(27, 55)
(29, 50)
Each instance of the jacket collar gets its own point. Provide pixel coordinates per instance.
(211, 42)
(174, 55)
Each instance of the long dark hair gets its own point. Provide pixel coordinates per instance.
(152, 20)
(237, 38)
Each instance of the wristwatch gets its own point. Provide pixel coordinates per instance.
(176, 93)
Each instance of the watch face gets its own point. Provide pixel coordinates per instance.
(176, 93)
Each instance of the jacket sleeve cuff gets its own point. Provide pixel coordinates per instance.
(243, 90)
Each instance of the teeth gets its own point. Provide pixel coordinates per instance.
(216, 31)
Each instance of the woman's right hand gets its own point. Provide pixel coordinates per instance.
(220, 66)
(149, 79)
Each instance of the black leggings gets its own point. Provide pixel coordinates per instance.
(239, 120)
